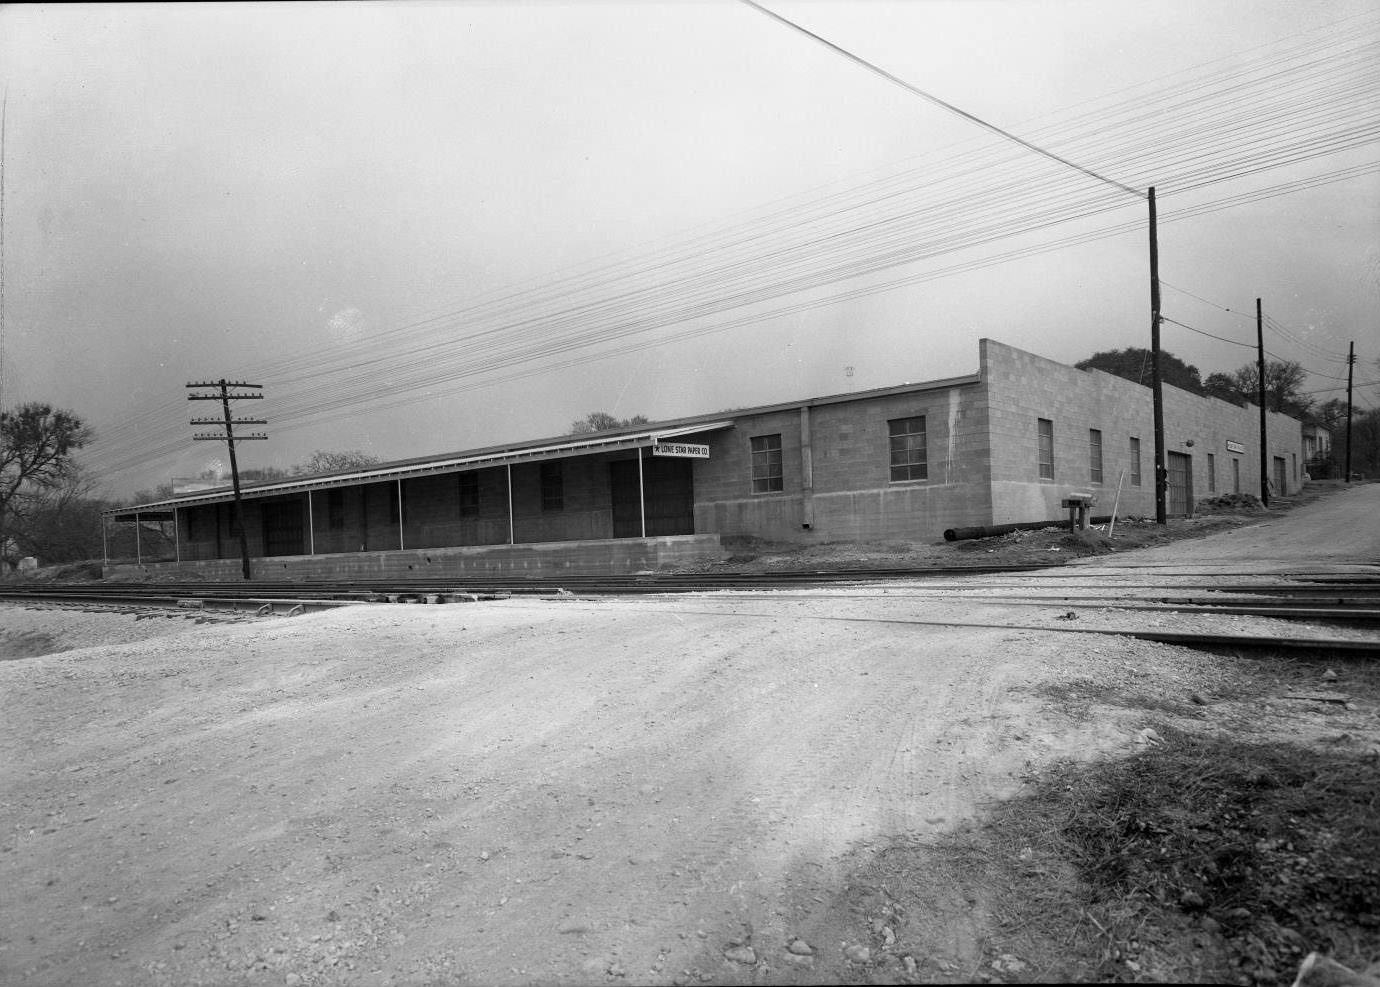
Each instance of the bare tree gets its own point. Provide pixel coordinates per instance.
(36, 446)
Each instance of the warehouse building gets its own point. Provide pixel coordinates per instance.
(1007, 444)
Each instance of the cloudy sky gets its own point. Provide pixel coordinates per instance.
(431, 227)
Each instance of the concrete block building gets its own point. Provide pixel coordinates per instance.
(904, 463)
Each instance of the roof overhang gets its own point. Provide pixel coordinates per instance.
(590, 446)
(141, 515)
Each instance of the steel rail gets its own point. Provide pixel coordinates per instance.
(1245, 642)
(1348, 612)
(647, 583)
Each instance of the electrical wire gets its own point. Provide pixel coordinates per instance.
(975, 198)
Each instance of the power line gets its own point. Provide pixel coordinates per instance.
(315, 404)
(797, 249)
(939, 102)
(1200, 332)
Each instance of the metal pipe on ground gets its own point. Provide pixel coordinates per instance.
(993, 530)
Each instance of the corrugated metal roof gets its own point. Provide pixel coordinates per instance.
(602, 442)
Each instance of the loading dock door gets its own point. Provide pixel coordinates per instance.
(1180, 470)
(283, 527)
(668, 489)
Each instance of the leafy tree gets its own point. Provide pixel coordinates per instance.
(1283, 387)
(36, 446)
(324, 461)
(1224, 387)
(1330, 414)
(602, 421)
(1365, 444)
(1133, 363)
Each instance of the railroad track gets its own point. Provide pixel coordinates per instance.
(1331, 598)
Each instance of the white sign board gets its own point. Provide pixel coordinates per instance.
(1234, 446)
(680, 450)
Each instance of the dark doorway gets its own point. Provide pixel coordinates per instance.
(283, 527)
(668, 489)
(1180, 470)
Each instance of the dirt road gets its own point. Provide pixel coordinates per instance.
(575, 791)
(1338, 530)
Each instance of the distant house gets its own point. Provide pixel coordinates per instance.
(1317, 450)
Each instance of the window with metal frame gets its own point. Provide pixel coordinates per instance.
(1135, 461)
(908, 454)
(1095, 455)
(1045, 427)
(767, 475)
(552, 486)
(1212, 473)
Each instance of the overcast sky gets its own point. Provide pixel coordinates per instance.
(437, 226)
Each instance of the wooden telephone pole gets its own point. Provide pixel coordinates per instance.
(1264, 419)
(1350, 371)
(224, 396)
(1156, 385)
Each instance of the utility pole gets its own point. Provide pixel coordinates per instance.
(1350, 369)
(1156, 389)
(224, 396)
(1260, 372)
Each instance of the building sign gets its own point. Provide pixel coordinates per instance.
(680, 450)
(1234, 446)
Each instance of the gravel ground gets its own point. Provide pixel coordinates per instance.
(658, 790)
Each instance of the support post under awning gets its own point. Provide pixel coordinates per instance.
(641, 494)
(510, 504)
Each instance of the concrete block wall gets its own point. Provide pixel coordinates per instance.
(618, 556)
(1023, 388)
(852, 496)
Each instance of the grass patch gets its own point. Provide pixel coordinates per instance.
(1076, 698)
(26, 644)
(1202, 859)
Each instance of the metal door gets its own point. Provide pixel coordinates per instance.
(1180, 470)
(667, 491)
(283, 527)
(1281, 477)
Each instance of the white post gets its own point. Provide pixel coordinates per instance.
(400, 516)
(311, 527)
(138, 548)
(641, 494)
(105, 543)
(177, 539)
(510, 503)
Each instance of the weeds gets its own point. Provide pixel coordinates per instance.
(1263, 852)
